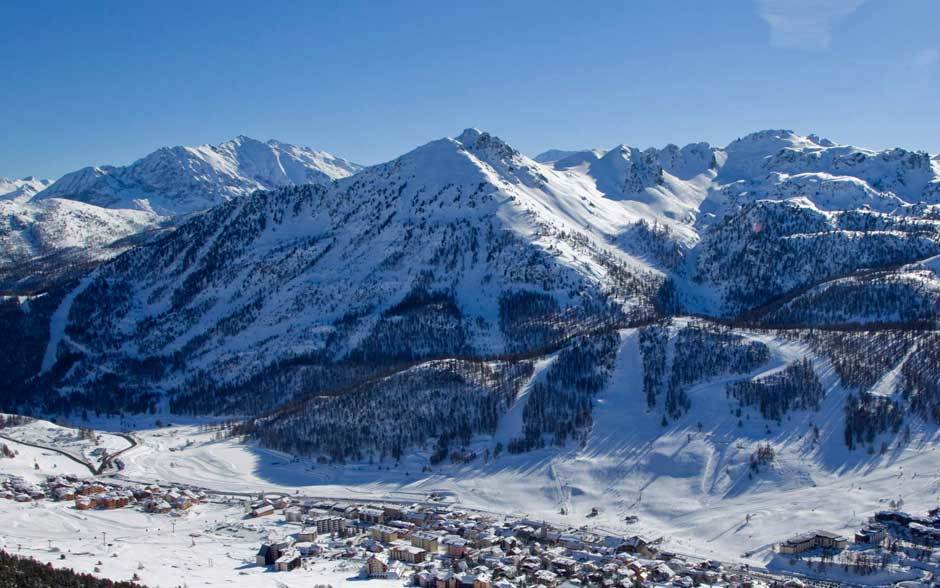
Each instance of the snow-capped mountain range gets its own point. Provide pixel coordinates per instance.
(699, 333)
(84, 212)
(449, 272)
(469, 228)
(179, 180)
(22, 189)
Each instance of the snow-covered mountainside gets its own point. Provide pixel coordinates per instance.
(23, 189)
(773, 213)
(419, 301)
(51, 241)
(461, 247)
(34, 229)
(179, 180)
(51, 232)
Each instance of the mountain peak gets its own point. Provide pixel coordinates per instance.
(178, 180)
(469, 135)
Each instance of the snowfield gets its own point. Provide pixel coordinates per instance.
(691, 487)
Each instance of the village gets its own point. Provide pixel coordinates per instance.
(437, 544)
(426, 544)
(126, 525)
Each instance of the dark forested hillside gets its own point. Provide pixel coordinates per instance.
(21, 572)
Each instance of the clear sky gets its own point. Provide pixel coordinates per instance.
(90, 83)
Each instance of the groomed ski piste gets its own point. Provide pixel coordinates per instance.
(688, 486)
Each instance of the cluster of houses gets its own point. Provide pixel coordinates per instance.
(890, 526)
(437, 546)
(97, 494)
(885, 529)
(18, 489)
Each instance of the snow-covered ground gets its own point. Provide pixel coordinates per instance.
(209, 545)
(92, 448)
(690, 486)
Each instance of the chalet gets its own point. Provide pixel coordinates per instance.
(263, 511)
(330, 524)
(183, 502)
(342, 508)
(473, 581)
(374, 568)
(157, 505)
(636, 545)
(443, 579)
(307, 534)
(405, 527)
(407, 553)
(289, 560)
(425, 540)
(924, 535)
(307, 548)
(384, 533)
(455, 546)
(814, 540)
(255, 505)
(893, 517)
(109, 500)
(374, 516)
(91, 488)
(64, 493)
(546, 577)
(269, 553)
(873, 534)
(564, 566)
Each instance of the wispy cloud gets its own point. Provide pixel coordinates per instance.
(804, 24)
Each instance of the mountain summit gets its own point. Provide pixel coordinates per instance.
(179, 180)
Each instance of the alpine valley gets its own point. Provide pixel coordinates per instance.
(654, 331)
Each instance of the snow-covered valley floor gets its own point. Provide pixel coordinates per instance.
(689, 485)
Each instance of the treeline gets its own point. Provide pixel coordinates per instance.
(920, 377)
(794, 387)
(560, 403)
(448, 401)
(774, 247)
(861, 358)
(21, 572)
(13, 420)
(699, 351)
(868, 415)
(886, 297)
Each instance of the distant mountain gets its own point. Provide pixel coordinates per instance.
(29, 230)
(463, 246)
(21, 190)
(179, 180)
(50, 231)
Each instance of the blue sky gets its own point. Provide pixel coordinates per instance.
(93, 83)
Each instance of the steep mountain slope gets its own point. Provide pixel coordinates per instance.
(461, 247)
(178, 180)
(35, 229)
(773, 213)
(465, 289)
(57, 231)
(46, 242)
